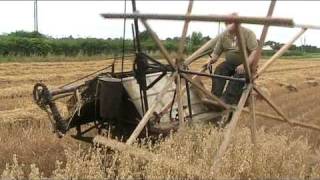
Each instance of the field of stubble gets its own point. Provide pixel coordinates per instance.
(29, 149)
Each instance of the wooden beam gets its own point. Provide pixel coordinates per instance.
(243, 51)
(279, 53)
(266, 26)
(150, 111)
(231, 127)
(158, 42)
(146, 155)
(284, 22)
(307, 26)
(206, 92)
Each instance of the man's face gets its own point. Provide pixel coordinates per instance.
(233, 29)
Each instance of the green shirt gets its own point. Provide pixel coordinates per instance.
(228, 42)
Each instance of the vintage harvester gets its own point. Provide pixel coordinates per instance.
(156, 97)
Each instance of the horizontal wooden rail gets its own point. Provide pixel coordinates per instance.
(286, 22)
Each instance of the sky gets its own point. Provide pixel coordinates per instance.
(82, 18)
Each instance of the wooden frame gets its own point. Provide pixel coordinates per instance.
(250, 69)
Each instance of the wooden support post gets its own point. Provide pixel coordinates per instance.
(231, 127)
(148, 114)
(279, 53)
(243, 50)
(158, 42)
(272, 104)
(206, 92)
(280, 119)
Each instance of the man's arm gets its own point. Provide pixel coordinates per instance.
(217, 51)
(252, 45)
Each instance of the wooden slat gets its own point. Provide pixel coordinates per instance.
(263, 36)
(184, 33)
(206, 92)
(243, 50)
(150, 111)
(279, 53)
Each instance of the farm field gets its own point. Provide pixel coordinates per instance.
(25, 135)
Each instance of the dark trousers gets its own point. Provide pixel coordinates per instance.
(234, 89)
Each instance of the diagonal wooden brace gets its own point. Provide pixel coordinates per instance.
(184, 32)
(206, 92)
(272, 104)
(150, 111)
(158, 42)
(279, 53)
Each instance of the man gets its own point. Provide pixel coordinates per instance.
(232, 66)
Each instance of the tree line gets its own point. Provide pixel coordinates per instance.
(22, 43)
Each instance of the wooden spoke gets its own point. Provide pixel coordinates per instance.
(243, 50)
(184, 33)
(271, 103)
(266, 26)
(231, 127)
(168, 105)
(210, 44)
(263, 36)
(206, 92)
(280, 52)
(158, 42)
(150, 111)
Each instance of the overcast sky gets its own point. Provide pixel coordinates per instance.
(82, 19)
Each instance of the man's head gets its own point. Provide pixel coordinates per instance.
(234, 14)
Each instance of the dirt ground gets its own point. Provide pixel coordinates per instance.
(293, 84)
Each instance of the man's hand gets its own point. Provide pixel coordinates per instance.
(210, 62)
(240, 69)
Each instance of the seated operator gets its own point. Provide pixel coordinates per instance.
(232, 66)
